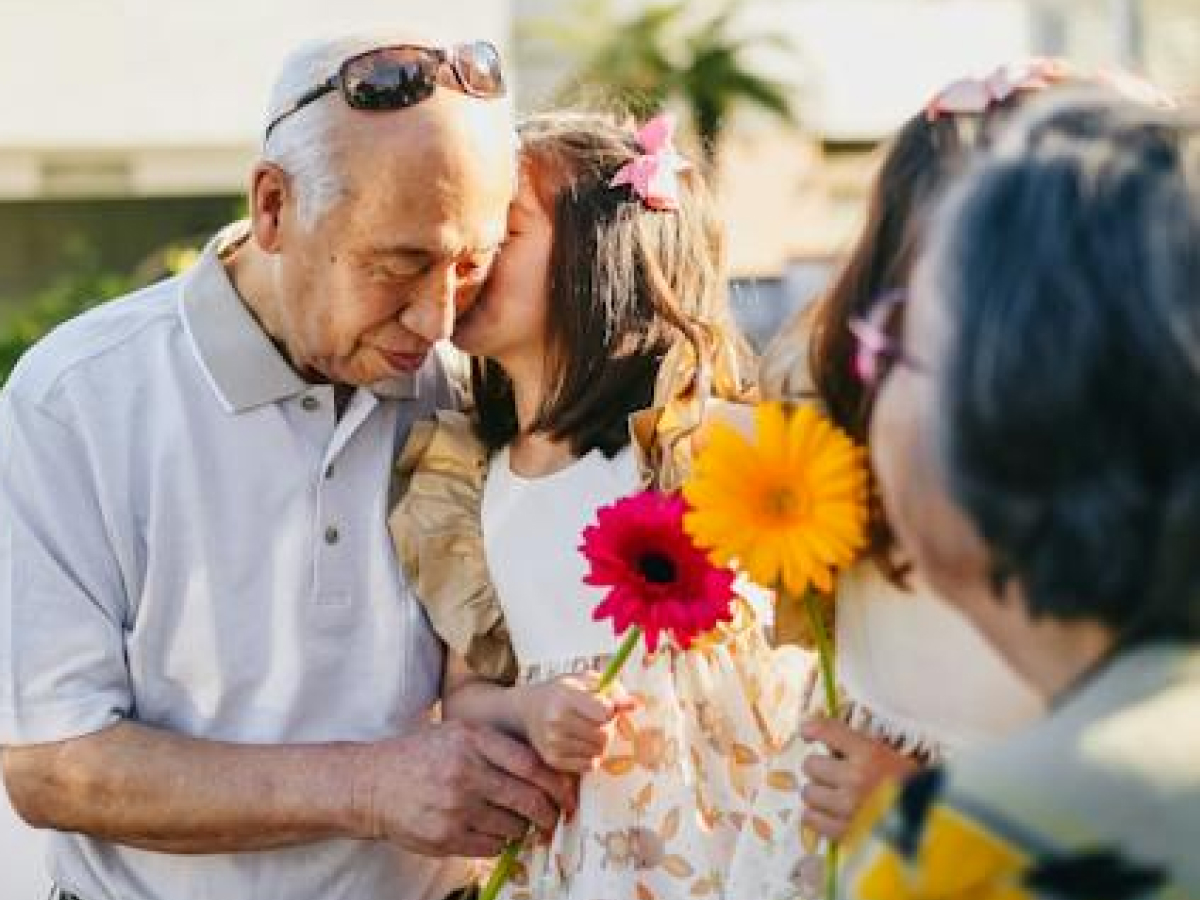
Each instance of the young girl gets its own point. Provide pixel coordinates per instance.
(924, 685)
(606, 303)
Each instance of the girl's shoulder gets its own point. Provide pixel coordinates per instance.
(446, 443)
(434, 523)
(666, 438)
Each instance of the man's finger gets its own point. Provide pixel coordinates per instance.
(476, 845)
(515, 760)
(500, 824)
(520, 797)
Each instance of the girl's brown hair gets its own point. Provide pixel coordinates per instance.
(628, 285)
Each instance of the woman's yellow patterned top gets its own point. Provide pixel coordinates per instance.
(1100, 801)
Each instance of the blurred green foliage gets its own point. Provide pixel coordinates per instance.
(687, 53)
(25, 320)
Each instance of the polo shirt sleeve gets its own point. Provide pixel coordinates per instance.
(62, 660)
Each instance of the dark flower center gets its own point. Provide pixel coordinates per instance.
(656, 567)
(787, 503)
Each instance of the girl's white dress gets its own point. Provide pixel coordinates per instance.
(671, 806)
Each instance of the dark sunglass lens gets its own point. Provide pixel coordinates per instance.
(478, 65)
(390, 79)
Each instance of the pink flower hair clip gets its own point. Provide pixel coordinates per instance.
(977, 95)
(654, 175)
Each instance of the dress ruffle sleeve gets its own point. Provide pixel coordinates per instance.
(435, 527)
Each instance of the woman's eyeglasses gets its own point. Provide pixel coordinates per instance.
(389, 78)
(878, 347)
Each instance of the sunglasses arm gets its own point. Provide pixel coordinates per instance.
(327, 86)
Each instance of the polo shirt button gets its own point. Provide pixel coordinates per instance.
(310, 403)
(332, 535)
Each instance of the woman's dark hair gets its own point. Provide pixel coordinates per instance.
(627, 285)
(816, 351)
(1069, 266)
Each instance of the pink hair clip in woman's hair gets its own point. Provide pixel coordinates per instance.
(654, 175)
(977, 95)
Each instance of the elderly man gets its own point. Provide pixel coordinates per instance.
(205, 644)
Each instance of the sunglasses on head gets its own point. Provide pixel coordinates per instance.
(389, 78)
(878, 348)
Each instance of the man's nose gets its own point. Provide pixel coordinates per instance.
(431, 314)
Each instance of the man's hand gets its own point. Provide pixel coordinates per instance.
(840, 783)
(456, 789)
(445, 789)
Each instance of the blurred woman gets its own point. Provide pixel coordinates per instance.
(921, 685)
(1035, 440)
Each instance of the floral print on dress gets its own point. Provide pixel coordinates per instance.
(698, 793)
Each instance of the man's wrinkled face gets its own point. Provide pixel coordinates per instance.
(366, 291)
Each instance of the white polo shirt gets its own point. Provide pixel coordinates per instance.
(189, 539)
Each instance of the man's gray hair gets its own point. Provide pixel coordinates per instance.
(304, 143)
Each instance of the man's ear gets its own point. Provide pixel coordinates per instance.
(270, 200)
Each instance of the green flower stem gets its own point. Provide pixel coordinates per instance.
(824, 652)
(613, 669)
(508, 859)
(502, 871)
(829, 685)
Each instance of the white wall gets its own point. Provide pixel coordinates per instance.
(146, 73)
(159, 84)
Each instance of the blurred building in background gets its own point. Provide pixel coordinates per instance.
(132, 123)
(128, 124)
(793, 198)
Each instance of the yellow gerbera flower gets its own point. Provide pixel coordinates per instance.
(788, 507)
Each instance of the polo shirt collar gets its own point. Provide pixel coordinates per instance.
(243, 366)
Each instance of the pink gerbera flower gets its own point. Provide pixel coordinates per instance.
(658, 579)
